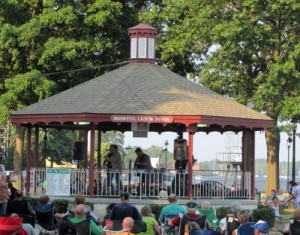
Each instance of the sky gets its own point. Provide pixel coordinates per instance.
(212, 146)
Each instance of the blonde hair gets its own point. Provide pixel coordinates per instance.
(297, 214)
(205, 205)
(243, 217)
(79, 199)
(146, 211)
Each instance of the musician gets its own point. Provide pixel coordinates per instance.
(143, 162)
(114, 162)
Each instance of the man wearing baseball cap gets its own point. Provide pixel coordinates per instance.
(261, 228)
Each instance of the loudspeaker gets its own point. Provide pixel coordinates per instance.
(79, 150)
(180, 149)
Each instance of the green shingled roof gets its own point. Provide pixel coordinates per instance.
(141, 89)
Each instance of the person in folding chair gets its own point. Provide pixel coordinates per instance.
(45, 217)
(84, 226)
(191, 215)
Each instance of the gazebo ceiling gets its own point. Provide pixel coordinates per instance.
(142, 92)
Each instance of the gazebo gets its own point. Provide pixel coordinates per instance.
(140, 97)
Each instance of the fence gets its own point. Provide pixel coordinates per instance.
(143, 184)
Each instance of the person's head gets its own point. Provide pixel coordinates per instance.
(127, 224)
(273, 192)
(109, 207)
(261, 228)
(14, 215)
(113, 148)
(191, 207)
(205, 205)
(191, 226)
(79, 199)
(146, 211)
(79, 211)
(275, 199)
(172, 198)
(296, 214)
(292, 183)
(243, 217)
(236, 207)
(139, 151)
(18, 194)
(280, 191)
(124, 197)
(44, 199)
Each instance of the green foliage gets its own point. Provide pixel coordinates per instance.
(265, 213)
(61, 205)
(58, 145)
(156, 209)
(221, 212)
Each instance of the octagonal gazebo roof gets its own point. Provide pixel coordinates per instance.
(142, 92)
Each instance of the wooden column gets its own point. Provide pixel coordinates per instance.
(28, 160)
(248, 157)
(36, 147)
(92, 161)
(190, 166)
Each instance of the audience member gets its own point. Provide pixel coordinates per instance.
(274, 204)
(245, 226)
(80, 217)
(296, 194)
(4, 191)
(148, 218)
(281, 198)
(230, 222)
(119, 212)
(127, 225)
(293, 227)
(261, 228)
(191, 226)
(12, 189)
(183, 220)
(26, 226)
(172, 209)
(79, 199)
(108, 210)
(269, 198)
(19, 205)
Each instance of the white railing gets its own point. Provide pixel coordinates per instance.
(153, 184)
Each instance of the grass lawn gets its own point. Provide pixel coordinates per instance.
(279, 224)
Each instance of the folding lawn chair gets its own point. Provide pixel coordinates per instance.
(45, 217)
(11, 226)
(166, 229)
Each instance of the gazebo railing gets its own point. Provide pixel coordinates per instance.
(140, 184)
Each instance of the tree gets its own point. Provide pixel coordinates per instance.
(58, 44)
(247, 50)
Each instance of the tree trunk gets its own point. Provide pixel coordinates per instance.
(20, 132)
(273, 140)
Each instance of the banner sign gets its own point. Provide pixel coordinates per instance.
(58, 182)
(142, 118)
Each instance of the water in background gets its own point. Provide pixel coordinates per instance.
(260, 183)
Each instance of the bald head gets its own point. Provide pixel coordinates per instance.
(127, 224)
(79, 211)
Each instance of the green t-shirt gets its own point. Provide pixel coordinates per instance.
(94, 227)
(150, 221)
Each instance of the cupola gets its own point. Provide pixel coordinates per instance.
(142, 43)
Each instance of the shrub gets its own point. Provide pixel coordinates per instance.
(61, 205)
(265, 213)
(156, 209)
(222, 211)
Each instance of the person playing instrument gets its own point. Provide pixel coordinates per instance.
(115, 159)
(142, 162)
